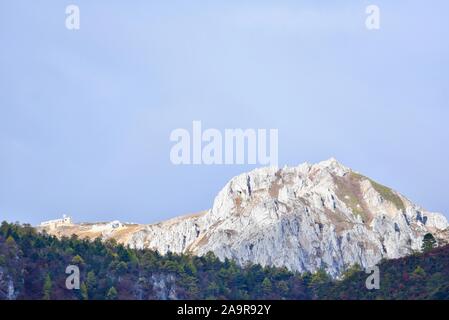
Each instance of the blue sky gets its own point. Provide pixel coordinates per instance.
(85, 116)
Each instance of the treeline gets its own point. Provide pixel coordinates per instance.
(33, 266)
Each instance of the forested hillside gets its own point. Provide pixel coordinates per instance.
(33, 266)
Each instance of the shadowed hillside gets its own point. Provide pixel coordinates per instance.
(32, 266)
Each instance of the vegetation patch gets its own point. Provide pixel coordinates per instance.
(385, 192)
(109, 270)
(348, 191)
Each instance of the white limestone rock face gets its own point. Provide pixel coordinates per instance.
(7, 291)
(164, 286)
(304, 218)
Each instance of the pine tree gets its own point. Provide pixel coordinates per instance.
(84, 292)
(428, 242)
(47, 287)
(112, 294)
(91, 280)
(320, 276)
(10, 242)
(78, 260)
(351, 271)
(267, 286)
(419, 272)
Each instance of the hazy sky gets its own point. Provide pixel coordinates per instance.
(85, 116)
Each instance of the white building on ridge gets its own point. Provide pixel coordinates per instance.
(53, 224)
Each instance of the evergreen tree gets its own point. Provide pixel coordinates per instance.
(351, 271)
(91, 280)
(47, 287)
(84, 292)
(77, 260)
(418, 272)
(428, 242)
(320, 276)
(34, 262)
(112, 294)
(267, 287)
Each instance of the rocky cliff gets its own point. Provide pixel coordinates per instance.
(304, 218)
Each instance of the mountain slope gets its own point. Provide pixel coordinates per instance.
(310, 217)
(32, 266)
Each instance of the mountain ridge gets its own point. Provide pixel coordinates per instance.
(305, 218)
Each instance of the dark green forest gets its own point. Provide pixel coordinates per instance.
(33, 266)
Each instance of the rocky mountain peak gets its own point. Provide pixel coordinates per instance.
(304, 218)
(332, 165)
